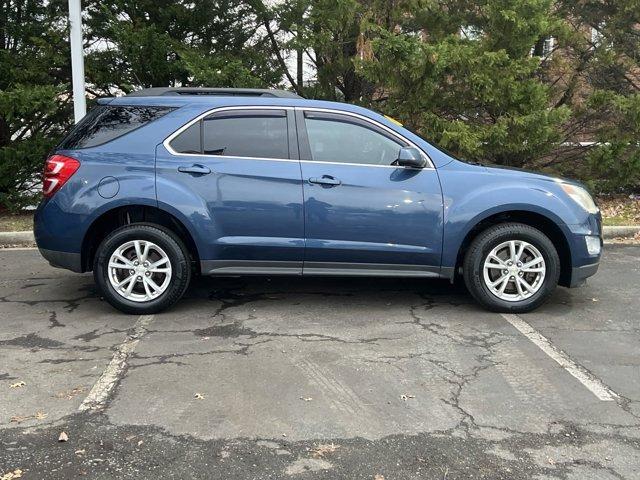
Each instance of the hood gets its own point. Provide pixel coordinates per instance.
(523, 173)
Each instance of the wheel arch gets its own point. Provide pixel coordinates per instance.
(131, 214)
(534, 219)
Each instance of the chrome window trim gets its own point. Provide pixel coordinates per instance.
(167, 141)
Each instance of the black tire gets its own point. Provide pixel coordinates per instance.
(165, 239)
(491, 238)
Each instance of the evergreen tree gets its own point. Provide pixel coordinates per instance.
(144, 43)
(598, 78)
(463, 75)
(34, 93)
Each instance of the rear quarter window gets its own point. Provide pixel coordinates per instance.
(105, 123)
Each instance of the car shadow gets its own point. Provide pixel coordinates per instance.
(362, 288)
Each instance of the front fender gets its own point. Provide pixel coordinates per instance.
(470, 199)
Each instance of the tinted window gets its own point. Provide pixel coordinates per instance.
(104, 123)
(334, 140)
(188, 141)
(250, 134)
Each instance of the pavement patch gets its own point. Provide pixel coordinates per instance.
(98, 450)
(304, 465)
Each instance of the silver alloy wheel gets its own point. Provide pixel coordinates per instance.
(139, 270)
(514, 270)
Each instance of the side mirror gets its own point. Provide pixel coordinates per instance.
(410, 157)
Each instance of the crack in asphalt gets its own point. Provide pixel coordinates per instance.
(93, 334)
(625, 404)
(237, 329)
(169, 358)
(460, 380)
(31, 285)
(70, 304)
(484, 341)
(59, 361)
(53, 320)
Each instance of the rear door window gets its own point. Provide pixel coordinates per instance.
(246, 133)
(252, 133)
(105, 123)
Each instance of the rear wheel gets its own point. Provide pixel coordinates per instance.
(142, 269)
(511, 267)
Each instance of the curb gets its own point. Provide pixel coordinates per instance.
(620, 232)
(8, 239)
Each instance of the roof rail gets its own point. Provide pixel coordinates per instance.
(227, 92)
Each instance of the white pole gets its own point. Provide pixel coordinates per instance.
(77, 60)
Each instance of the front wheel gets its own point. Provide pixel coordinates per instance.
(142, 269)
(511, 267)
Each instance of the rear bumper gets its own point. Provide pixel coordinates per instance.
(580, 274)
(69, 261)
(58, 236)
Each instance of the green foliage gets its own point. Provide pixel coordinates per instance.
(615, 164)
(603, 90)
(33, 95)
(327, 33)
(26, 109)
(170, 43)
(129, 44)
(461, 74)
(470, 75)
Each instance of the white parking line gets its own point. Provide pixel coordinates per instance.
(111, 375)
(594, 384)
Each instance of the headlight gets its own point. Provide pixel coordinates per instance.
(580, 196)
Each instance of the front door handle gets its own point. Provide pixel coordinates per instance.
(325, 180)
(195, 169)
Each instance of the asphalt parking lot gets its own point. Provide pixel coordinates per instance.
(319, 378)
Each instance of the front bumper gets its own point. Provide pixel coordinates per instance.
(585, 263)
(579, 275)
(70, 261)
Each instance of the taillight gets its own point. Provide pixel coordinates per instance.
(57, 170)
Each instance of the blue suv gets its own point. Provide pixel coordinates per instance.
(155, 187)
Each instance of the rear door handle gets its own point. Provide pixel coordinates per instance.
(325, 180)
(195, 169)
